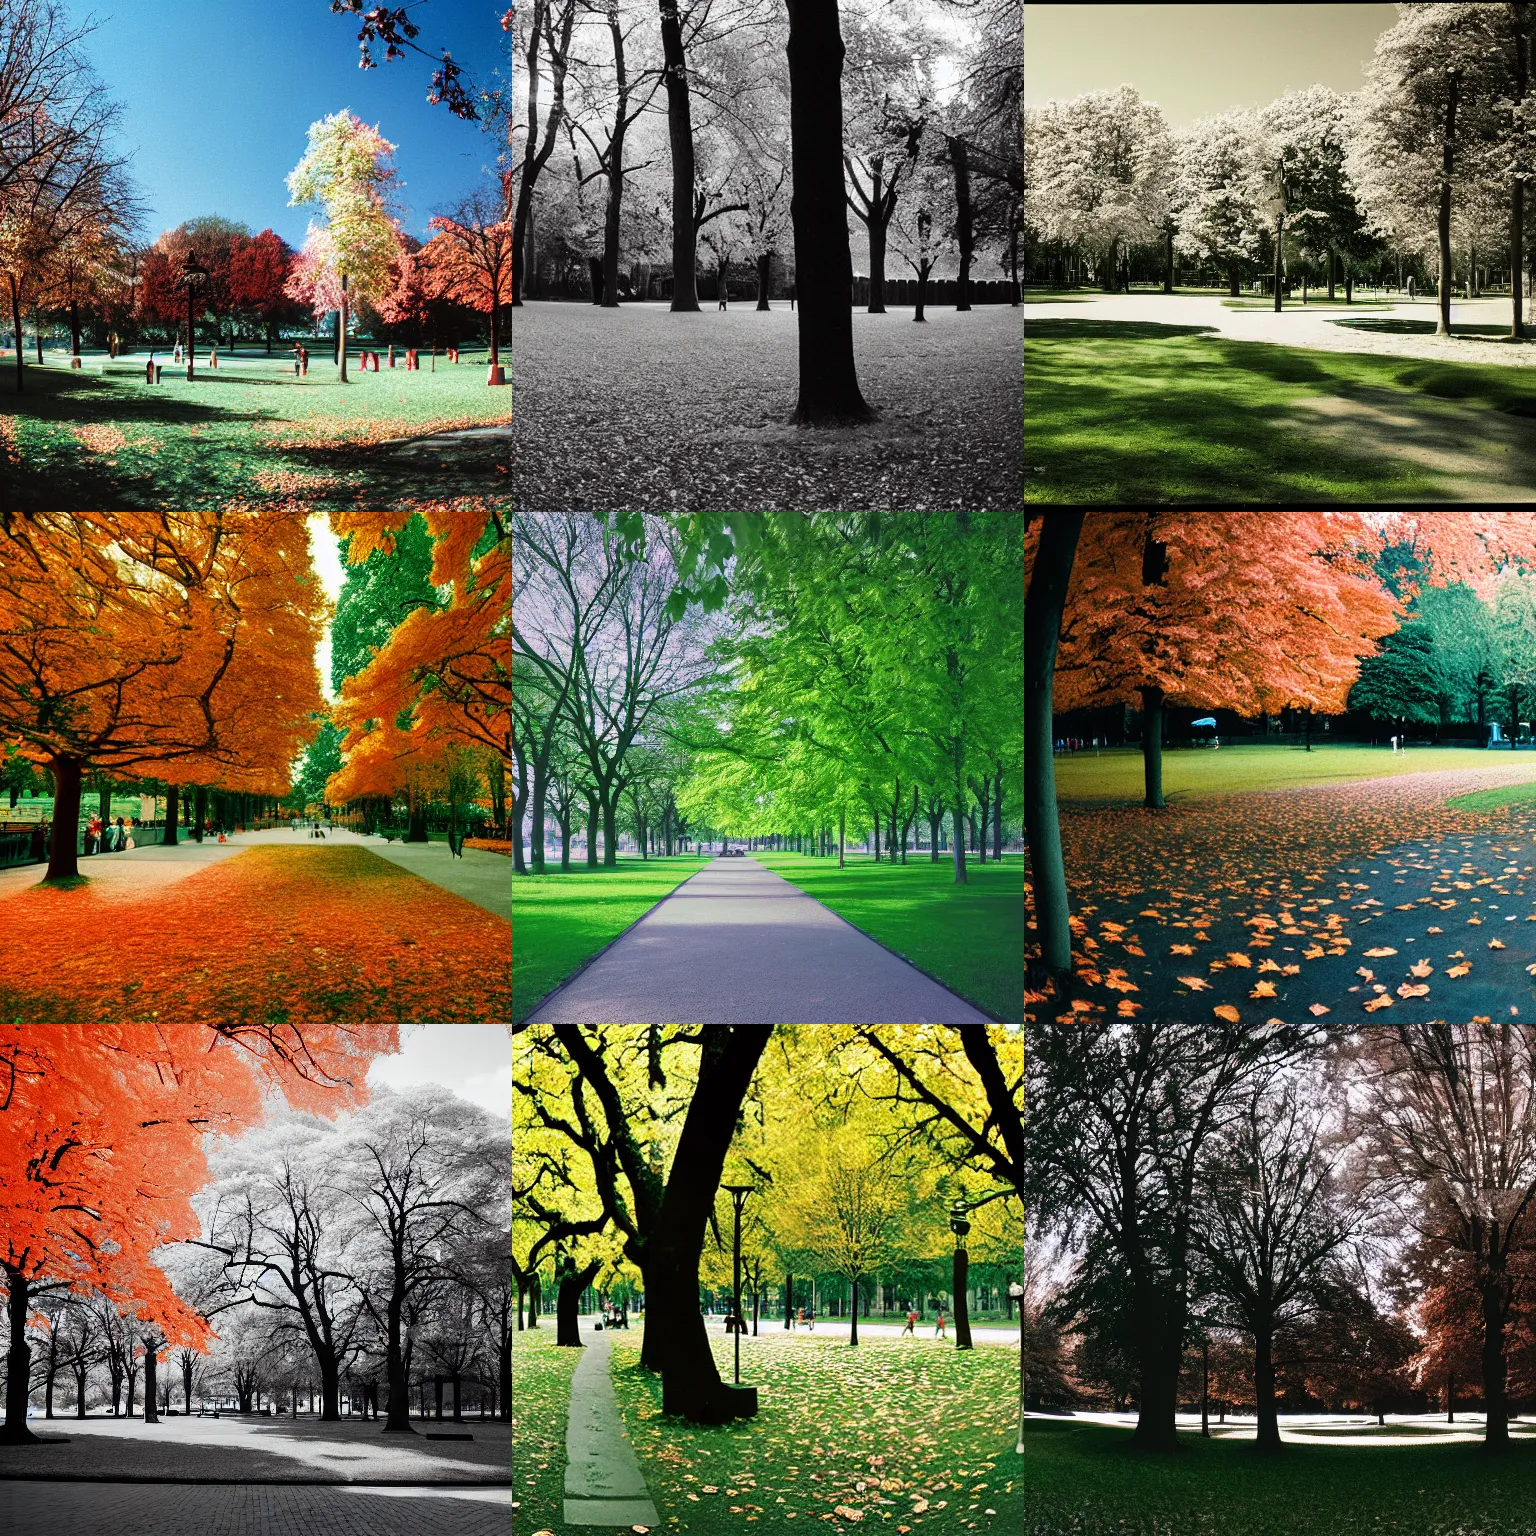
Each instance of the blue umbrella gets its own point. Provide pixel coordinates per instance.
(1209, 720)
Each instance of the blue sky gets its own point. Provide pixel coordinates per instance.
(217, 96)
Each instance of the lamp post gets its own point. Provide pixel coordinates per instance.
(1017, 1292)
(738, 1194)
(193, 276)
(960, 1226)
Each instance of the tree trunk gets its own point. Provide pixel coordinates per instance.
(1279, 260)
(63, 860)
(1332, 264)
(685, 294)
(1168, 260)
(539, 809)
(341, 330)
(1160, 1351)
(610, 832)
(1232, 280)
(1042, 628)
(764, 266)
(1517, 186)
(199, 811)
(1152, 747)
(922, 290)
(876, 227)
(1443, 223)
(610, 298)
(16, 326)
(18, 1359)
(1495, 1396)
(592, 815)
(151, 1405)
(1264, 1389)
(964, 220)
(829, 384)
(853, 1313)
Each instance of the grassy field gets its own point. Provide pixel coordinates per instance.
(1492, 799)
(639, 408)
(559, 921)
(541, 1392)
(249, 431)
(1116, 772)
(1139, 412)
(970, 937)
(1085, 1480)
(894, 1435)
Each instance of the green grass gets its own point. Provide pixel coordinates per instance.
(1133, 412)
(541, 1392)
(249, 433)
(1492, 799)
(559, 921)
(1085, 1480)
(916, 1424)
(970, 937)
(1190, 773)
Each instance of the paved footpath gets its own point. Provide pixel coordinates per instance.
(603, 1482)
(737, 944)
(149, 1509)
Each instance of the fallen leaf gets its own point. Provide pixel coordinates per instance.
(1263, 989)
(1290, 970)
(1434, 930)
(1409, 990)
(1423, 968)
(1315, 953)
(1383, 1001)
(1496, 944)
(1379, 953)
(1226, 1011)
(1196, 983)
(1181, 949)
(1366, 972)
(1126, 1009)
(1268, 965)
(1237, 957)
(1459, 970)
(1317, 1010)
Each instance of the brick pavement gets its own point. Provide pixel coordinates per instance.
(140, 1509)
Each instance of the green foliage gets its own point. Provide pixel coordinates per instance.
(378, 595)
(541, 1393)
(322, 758)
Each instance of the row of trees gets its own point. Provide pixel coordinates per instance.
(182, 645)
(1219, 609)
(855, 1140)
(857, 678)
(1353, 1209)
(328, 1257)
(1431, 155)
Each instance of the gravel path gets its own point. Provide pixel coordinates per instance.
(1317, 329)
(736, 944)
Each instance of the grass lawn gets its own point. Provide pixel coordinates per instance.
(1492, 799)
(896, 1435)
(270, 935)
(1138, 412)
(541, 1393)
(970, 937)
(559, 921)
(1084, 1479)
(249, 431)
(1191, 773)
(638, 408)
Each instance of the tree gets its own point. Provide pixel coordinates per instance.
(259, 270)
(1216, 192)
(346, 171)
(1453, 1114)
(549, 26)
(101, 1148)
(444, 678)
(829, 385)
(1272, 1224)
(1514, 638)
(469, 259)
(392, 26)
(180, 640)
(1160, 610)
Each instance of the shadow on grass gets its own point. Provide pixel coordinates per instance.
(1397, 327)
(1108, 330)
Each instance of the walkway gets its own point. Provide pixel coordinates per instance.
(603, 1482)
(1318, 328)
(737, 944)
(481, 877)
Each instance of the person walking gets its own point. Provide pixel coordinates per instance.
(120, 837)
(938, 1327)
(799, 1316)
(911, 1325)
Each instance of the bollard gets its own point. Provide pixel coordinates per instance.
(74, 362)
(213, 358)
(158, 367)
(497, 375)
(149, 371)
(391, 354)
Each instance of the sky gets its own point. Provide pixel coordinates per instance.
(218, 96)
(471, 1060)
(325, 556)
(1195, 60)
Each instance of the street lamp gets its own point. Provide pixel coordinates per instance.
(1016, 1291)
(738, 1194)
(959, 1225)
(192, 276)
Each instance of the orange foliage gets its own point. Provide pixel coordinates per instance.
(1251, 613)
(446, 671)
(101, 1140)
(175, 643)
(307, 935)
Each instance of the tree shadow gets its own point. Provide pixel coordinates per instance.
(1399, 327)
(1109, 330)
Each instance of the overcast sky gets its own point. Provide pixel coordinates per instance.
(471, 1060)
(1195, 60)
